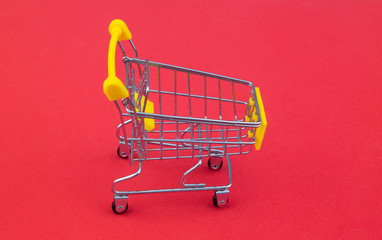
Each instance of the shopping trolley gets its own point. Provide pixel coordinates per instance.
(197, 115)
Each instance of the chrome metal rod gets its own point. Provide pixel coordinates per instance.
(196, 96)
(195, 120)
(113, 187)
(188, 185)
(184, 189)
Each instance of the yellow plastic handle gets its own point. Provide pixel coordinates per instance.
(260, 131)
(112, 86)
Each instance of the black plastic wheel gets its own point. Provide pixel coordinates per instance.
(215, 168)
(119, 154)
(215, 201)
(115, 211)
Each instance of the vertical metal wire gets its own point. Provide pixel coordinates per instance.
(127, 77)
(234, 100)
(135, 124)
(160, 112)
(209, 144)
(146, 82)
(144, 106)
(205, 114)
(134, 86)
(123, 50)
(226, 139)
(189, 108)
(200, 138)
(220, 113)
(176, 122)
(143, 149)
(205, 97)
(238, 131)
(189, 93)
(220, 101)
(193, 142)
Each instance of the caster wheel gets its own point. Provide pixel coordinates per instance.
(215, 166)
(120, 155)
(115, 210)
(215, 201)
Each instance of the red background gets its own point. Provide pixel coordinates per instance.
(318, 66)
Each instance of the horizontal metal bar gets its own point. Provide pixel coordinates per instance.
(194, 120)
(189, 141)
(170, 121)
(170, 190)
(172, 148)
(189, 156)
(196, 96)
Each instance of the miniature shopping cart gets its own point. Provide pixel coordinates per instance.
(197, 115)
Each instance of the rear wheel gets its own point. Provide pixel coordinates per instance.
(121, 155)
(215, 165)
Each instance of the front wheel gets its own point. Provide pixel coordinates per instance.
(222, 203)
(115, 210)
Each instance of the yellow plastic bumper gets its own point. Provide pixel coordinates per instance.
(149, 122)
(260, 131)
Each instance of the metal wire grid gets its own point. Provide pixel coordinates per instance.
(185, 136)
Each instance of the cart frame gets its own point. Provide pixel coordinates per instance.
(201, 137)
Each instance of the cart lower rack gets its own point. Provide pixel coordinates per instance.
(197, 115)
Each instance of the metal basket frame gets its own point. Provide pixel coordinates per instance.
(199, 138)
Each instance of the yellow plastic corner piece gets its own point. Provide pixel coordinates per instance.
(250, 133)
(249, 119)
(114, 89)
(119, 28)
(149, 122)
(260, 132)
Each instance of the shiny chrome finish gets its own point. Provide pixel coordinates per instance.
(188, 185)
(194, 126)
